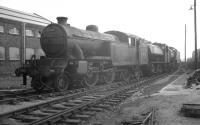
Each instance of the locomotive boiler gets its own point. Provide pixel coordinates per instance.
(87, 57)
(61, 41)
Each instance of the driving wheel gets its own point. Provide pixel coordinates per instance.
(37, 84)
(138, 75)
(61, 82)
(109, 76)
(125, 75)
(153, 68)
(90, 79)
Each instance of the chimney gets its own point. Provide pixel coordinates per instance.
(62, 20)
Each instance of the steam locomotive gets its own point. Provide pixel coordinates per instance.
(88, 56)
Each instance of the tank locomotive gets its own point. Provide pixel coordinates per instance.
(89, 57)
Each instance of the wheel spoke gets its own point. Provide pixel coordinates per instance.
(153, 69)
(138, 75)
(125, 75)
(91, 79)
(197, 80)
(159, 69)
(109, 76)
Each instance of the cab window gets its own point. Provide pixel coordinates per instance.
(137, 43)
(133, 40)
(129, 41)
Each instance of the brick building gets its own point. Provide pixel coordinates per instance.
(19, 38)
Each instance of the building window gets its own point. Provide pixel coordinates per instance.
(129, 41)
(133, 41)
(137, 42)
(29, 53)
(13, 30)
(14, 53)
(2, 53)
(29, 33)
(38, 34)
(1, 29)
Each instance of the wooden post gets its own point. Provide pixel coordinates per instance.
(195, 34)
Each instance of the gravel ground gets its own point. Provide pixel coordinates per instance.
(167, 99)
(166, 94)
(12, 82)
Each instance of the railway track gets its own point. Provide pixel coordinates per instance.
(30, 94)
(13, 97)
(13, 93)
(149, 119)
(72, 108)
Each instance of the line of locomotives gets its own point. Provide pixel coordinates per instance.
(90, 57)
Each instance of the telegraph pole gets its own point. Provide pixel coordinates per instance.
(195, 34)
(185, 42)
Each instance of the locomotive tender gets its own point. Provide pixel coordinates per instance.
(89, 56)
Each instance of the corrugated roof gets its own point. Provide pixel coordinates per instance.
(20, 16)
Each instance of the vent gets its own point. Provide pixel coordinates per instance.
(62, 20)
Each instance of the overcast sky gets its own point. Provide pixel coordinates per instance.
(155, 20)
